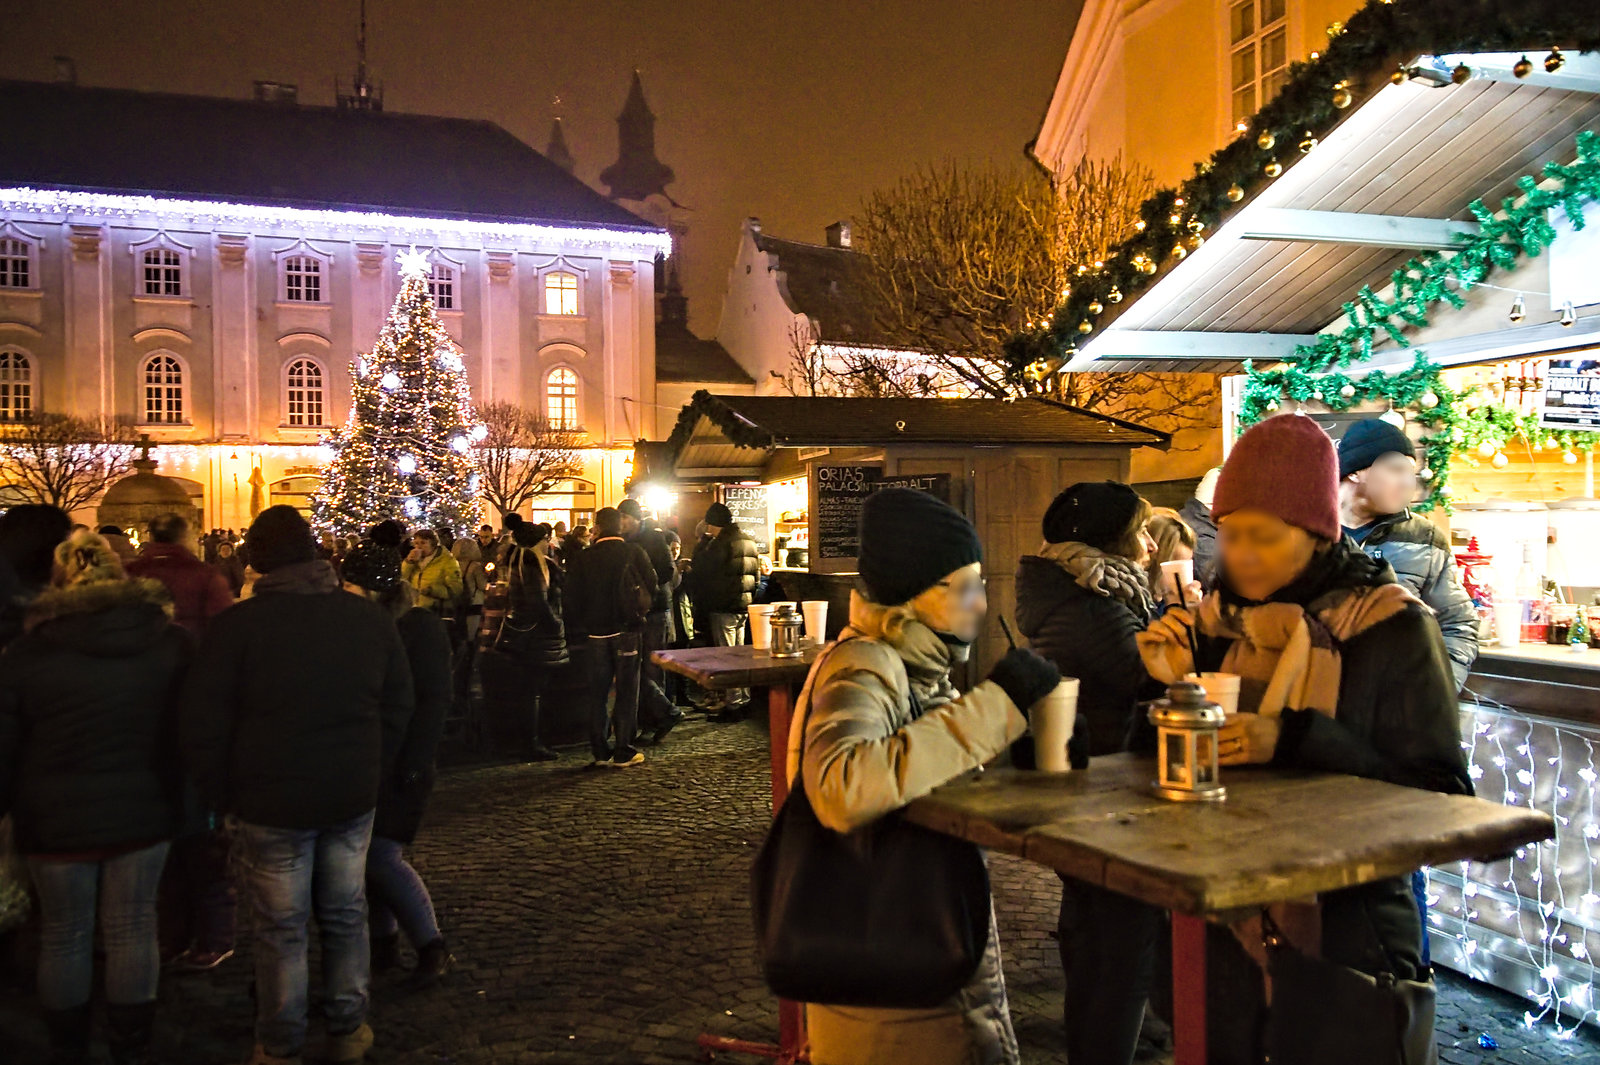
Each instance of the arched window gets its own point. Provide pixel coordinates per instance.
(303, 395)
(302, 279)
(163, 272)
(163, 390)
(16, 386)
(561, 293)
(16, 263)
(561, 398)
(442, 286)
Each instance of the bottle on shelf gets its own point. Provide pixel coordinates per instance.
(1530, 597)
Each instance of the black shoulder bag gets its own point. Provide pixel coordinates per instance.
(890, 916)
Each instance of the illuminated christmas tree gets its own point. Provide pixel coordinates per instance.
(406, 451)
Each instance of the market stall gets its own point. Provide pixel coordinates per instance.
(1400, 233)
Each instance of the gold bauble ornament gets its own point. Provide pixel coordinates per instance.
(1554, 61)
(1266, 140)
(1342, 96)
(1196, 226)
(1179, 251)
(1348, 391)
(1461, 74)
(1308, 142)
(1272, 169)
(1500, 461)
(1522, 67)
(1095, 307)
(1425, 474)
(1317, 395)
(1400, 75)
(1194, 241)
(1488, 448)
(1570, 458)
(1115, 295)
(1335, 28)
(1085, 326)
(1235, 193)
(1428, 401)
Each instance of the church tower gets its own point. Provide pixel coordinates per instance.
(637, 174)
(557, 151)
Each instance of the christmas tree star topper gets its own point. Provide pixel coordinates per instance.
(413, 263)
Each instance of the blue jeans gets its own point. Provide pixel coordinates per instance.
(289, 874)
(123, 891)
(398, 898)
(609, 659)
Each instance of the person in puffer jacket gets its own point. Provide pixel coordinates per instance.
(1377, 478)
(879, 725)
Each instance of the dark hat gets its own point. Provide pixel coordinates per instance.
(1097, 513)
(387, 533)
(630, 508)
(527, 534)
(910, 541)
(511, 520)
(1287, 467)
(720, 516)
(279, 537)
(1369, 440)
(373, 566)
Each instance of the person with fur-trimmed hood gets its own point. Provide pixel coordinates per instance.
(88, 701)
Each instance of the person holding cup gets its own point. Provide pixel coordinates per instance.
(1340, 669)
(879, 724)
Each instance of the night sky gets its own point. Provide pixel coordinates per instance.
(789, 111)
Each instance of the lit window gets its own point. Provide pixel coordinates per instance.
(302, 279)
(303, 393)
(16, 263)
(1258, 35)
(16, 386)
(561, 399)
(163, 273)
(163, 390)
(442, 286)
(561, 294)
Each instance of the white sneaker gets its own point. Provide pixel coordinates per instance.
(637, 759)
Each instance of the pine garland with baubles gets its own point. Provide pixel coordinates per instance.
(406, 451)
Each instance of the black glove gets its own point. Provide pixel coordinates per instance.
(1025, 676)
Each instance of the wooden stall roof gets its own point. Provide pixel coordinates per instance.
(1393, 178)
(737, 434)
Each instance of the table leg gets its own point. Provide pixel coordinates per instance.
(791, 1015)
(1188, 990)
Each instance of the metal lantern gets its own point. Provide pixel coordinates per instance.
(1186, 728)
(785, 632)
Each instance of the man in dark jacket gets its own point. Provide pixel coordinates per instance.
(611, 586)
(1377, 478)
(722, 581)
(198, 592)
(657, 714)
(299, 700)
(1196, 513)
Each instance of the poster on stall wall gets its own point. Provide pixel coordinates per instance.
(1574, 258)
(748, 504)
(1572, 393)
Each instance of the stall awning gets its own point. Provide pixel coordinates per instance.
(734, 436)
(1393, 178)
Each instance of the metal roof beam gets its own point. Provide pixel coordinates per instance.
(1346, 227)
(1521, 342)
(1580, 72)
(1186, 344)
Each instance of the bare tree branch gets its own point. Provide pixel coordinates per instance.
(523, 456)
(65, 460)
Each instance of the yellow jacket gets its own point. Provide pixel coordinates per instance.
(437, 581)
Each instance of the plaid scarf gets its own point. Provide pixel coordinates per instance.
(1287, 656)
(1112, 576)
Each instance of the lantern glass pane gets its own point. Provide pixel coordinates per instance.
(1205, 758)
(1177, 759)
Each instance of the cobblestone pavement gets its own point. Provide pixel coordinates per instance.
(601, 916)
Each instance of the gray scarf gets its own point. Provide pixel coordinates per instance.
(1104, 574)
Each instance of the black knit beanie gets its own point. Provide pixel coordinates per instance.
(1096, 513)
(527, 534)
(387, 533)
(279, 537)
(719, 515)
(911, 541)
(372, 565)
(1369, 440)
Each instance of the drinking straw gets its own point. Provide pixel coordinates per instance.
(1012, 640)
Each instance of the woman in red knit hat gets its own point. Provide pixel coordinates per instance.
(1341, 670)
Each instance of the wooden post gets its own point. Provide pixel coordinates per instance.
(1188, 990)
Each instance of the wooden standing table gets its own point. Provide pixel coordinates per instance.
(719, 669)
(1279, 835)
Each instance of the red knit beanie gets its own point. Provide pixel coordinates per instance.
(1288, 467)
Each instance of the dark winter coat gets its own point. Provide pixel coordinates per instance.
(654, 542)
(88, 708)
(594, 583)
(1090, 637)
(1419, 553)
(406, 787)
(198, 592)
(232, 570)
(1197, 516)
(298, 702)
(530, 600)
(723, 572)
(1399, 720)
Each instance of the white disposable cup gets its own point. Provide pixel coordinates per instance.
(1221, 688)
(816, 615)
(1183, 570)
(761, 625)
(1051, 721)
(1508, 620)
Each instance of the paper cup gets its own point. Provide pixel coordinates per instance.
(1051, 721)
(1508, 620)
(816, 615)
(1175, 577)
(1221, 688)
(761, 625)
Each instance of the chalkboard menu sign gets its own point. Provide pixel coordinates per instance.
(748, 504)
(838, 492)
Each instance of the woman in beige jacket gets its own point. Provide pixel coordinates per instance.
(883, 726)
